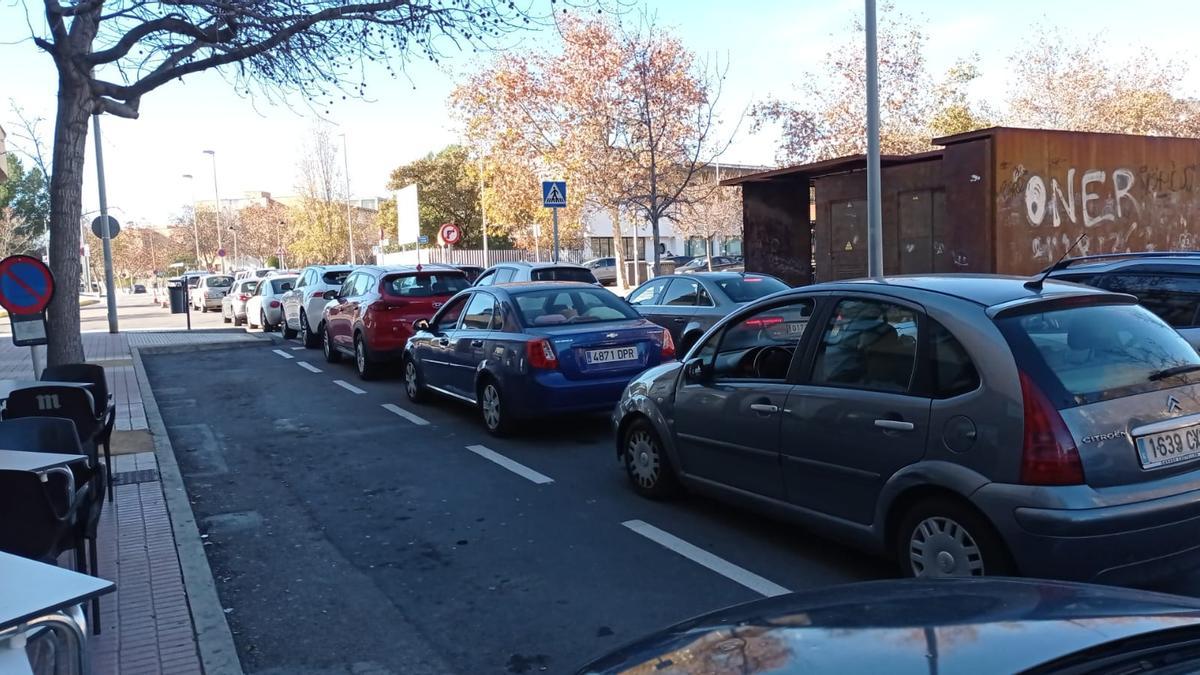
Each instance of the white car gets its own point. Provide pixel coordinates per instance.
(304, 305)
(233, 305)
(264, 309)
(209, 291)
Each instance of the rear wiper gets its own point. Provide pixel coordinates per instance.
(1172, 372)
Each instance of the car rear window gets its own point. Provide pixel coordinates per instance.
(750, 288)
(425, 284)
(1096, 353)
(579, 305)
(335, 278)
(563, 274)
(218, 282)
(283, 284)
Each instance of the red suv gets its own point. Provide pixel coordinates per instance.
(371, 317)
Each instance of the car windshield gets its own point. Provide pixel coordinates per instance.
(1096, 353)
(249, 286)
(749, 288)
(335, 278)
(282, 284)
(425, 284)
(552, 307)
(563, 274)
(218, 282)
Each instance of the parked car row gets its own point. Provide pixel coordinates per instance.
(962, 425)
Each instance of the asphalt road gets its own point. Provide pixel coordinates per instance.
(349, 537)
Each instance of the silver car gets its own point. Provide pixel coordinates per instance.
(233, 305)
(304, 305)
(209, 290)
(965, 425)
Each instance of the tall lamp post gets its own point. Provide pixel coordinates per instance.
(874, 205)
(349, 223)
(195, 228)
(217, 197)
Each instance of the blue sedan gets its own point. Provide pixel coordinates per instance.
(526, 350)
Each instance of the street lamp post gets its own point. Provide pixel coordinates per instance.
(874, 205)
(349, 223)
(105, 231)
(195, 227)
(217, 197)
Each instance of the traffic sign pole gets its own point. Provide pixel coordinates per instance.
(555, 211)
(109, 285)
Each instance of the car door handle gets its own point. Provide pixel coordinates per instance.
(764, 408)
(894, 425)
(476, 343)
(445, 342)
(679, 319)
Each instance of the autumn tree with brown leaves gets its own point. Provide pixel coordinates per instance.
(109, 54)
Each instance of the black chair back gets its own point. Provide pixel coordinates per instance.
(73, 403)
(88, 373)
(40, 434)
(31, 527)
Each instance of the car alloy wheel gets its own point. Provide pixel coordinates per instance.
(490, 404)
(410, 379)
(942, 547)
(643, 458)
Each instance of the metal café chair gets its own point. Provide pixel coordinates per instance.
(42, 509)
(105, 407)
(58, 435)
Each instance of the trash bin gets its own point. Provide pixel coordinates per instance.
(177, 292)
(666, 266)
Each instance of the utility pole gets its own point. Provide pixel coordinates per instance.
(109, 286)
(874, 205)
(195, 226)
(217, 197)
(349, 223)
(482, 213)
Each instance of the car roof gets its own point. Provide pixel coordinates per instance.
(331, 268)
(522, 287)
(725, 274)
(535, 265)
(1100, 264)
(394, 269)
(984, 289)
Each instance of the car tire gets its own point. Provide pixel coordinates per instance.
(414, 384)
(311, 340)
(647, 464)
(492, 408)
(266, 325)
(367, 369)
(238, 321)
(287, 331)
(204, 308)
(942, 537)
(225, 317)
(332, 355)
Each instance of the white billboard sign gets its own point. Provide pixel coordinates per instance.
(408, 222)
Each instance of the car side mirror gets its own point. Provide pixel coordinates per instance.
(694, 370)
(421, 324)
(330, 295)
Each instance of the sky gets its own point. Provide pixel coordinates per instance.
(768, 45)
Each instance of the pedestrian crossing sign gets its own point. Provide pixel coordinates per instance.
(554, 194)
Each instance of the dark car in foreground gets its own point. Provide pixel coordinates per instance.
(370, 318)
(518, 272)
(1166, 283)
(690, 305)
(918, 627)
(964, 425)
(523, 351)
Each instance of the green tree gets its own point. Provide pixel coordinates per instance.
(448, 192)
(26, 193)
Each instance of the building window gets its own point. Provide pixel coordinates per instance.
(696, 246)
(733, 246)
(602, 247)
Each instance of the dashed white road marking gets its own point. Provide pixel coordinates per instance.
(415, 419)
(296, 349)
(515, 467)
(308, 366)
(704, 558)
(283, 353)
(349, 387)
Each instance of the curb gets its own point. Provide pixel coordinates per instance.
(218, 655)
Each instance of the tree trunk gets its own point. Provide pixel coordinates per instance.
(657, 246)
(66, 206)
(708, 245)
(618, 245)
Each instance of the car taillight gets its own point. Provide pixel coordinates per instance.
(1049, 455)
(243, 297)
(541, 354)
(274, 303)
(668, 348)
(316, 294)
